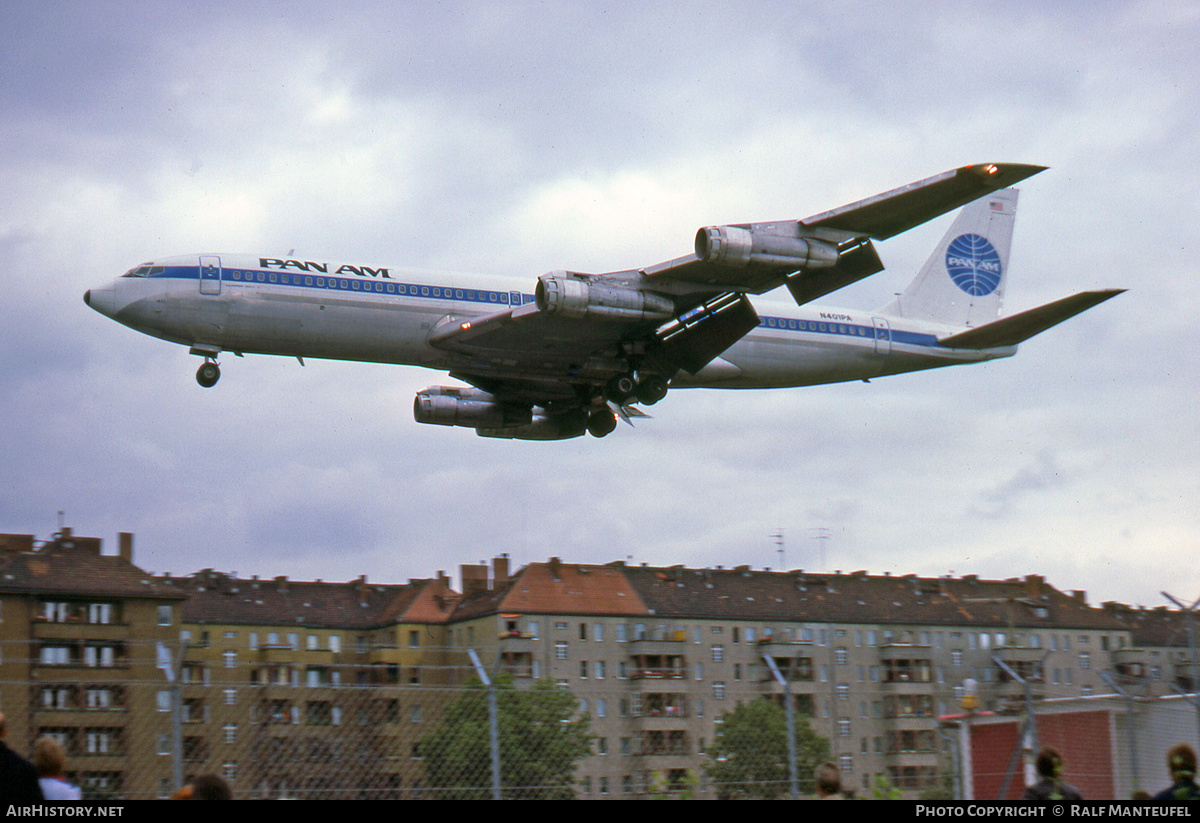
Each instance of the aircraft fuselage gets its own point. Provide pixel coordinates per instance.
(264, 305)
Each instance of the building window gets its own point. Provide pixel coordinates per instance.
(230, 732)
(314, 642)
(599, 669)
(718, 691)
(414, 639)
(583, 669)
(844, 727)
(100, 698)
(230, 697)
(718, 654)
(55, 656)
(560, 651)
(598, 631)
(840, 656)
(622, 633)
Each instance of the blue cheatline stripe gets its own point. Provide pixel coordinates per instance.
(325, 282)
(858, 330)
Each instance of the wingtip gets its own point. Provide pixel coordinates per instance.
(1003, 175)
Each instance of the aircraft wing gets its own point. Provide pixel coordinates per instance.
(825, 252)
(683, 313)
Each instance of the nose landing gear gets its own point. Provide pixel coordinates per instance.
(208, 374)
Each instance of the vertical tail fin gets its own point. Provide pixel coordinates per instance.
(962, 283)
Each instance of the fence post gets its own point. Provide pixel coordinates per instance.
(493, 722)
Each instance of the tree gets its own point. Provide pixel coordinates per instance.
(541, 740)
(749, 757)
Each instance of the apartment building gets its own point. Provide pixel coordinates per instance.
(308, 688)
(79, 637)
(657, 655)
(324, 689)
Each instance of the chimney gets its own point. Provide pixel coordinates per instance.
(1033, 586)
(500, 572)
(1080, 596)
(474, 578)
(125, 543)
(281, 583)
(16, 543)
(555, 566)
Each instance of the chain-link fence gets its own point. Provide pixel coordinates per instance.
(137, 724)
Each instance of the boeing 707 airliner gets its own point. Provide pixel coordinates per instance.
(582, 350)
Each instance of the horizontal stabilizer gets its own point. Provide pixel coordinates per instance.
(1009, 331)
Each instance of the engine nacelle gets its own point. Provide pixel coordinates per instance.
(472, 408)
(574, 296)
(732, 246)
(543, 427)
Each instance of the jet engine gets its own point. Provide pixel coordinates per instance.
(560, 292)
(737, 247)
(543, 427)
(472, 408)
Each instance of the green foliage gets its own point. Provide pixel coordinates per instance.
(684, 789)
(884, 790)
(749, 757)
(541, 740)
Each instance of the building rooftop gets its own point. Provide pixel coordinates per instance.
(216, 597)
(70, 565)
(555, 587)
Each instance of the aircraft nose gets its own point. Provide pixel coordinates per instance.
(102, 300)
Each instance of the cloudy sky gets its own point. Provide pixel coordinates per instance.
(515, 138)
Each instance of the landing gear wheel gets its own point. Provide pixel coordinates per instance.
(651, 390)
(208, 374)
(620, 389)
(601, 422)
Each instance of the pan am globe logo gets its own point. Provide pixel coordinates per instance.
(973, 264)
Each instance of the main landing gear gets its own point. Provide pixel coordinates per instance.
(624, 389)
(601, 421)
(208, 374)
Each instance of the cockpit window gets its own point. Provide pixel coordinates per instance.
(144, 270)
